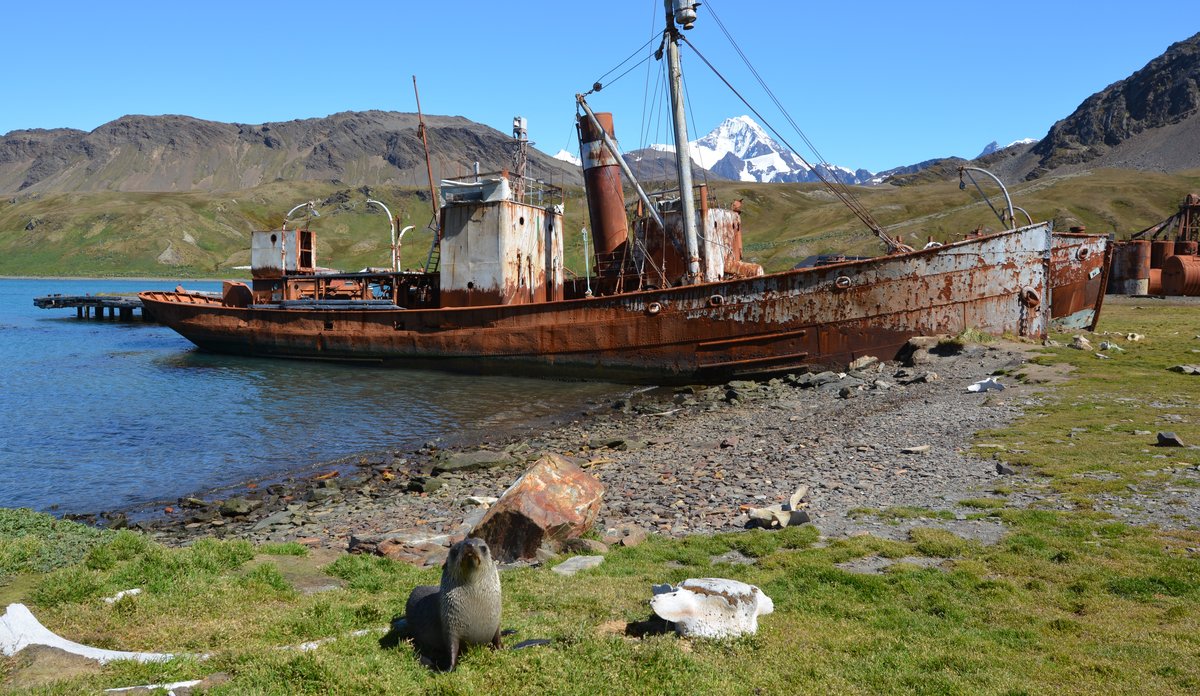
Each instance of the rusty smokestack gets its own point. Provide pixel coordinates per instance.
(602, 181)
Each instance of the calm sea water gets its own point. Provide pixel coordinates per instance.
(104, 415)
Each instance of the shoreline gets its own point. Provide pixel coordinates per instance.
(349, 467)
(692, 460)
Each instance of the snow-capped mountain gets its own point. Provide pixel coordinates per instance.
(996, 147)
(566, 156)
(740, 149)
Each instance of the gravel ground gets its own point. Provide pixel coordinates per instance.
(694, 460)
(685, 462)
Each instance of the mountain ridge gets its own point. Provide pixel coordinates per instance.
(181, 153)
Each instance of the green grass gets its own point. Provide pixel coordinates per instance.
(1084, 438)
(1066, 602)
(38, 543)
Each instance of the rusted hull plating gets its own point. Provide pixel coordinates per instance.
(1079, 267)
(823, 316)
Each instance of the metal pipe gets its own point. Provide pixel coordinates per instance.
(587, 263)
(683, 159)
(1011, 217)
(616, 153)
(1026, 213)
(392, 223)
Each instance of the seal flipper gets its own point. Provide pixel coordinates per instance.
(452, 649)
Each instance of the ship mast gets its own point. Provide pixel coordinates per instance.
(682, 12)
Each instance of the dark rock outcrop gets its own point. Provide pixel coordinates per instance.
(1164, 93)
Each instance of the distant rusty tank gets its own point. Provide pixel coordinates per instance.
(1181, 275)
(1160, 250)
(1185, 247)
(1130, 272)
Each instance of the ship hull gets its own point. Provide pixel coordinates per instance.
(803, 319)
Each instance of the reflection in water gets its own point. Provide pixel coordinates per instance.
(98, 415)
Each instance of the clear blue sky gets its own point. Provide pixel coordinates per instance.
(873, 84)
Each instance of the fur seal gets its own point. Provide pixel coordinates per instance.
(463, 610)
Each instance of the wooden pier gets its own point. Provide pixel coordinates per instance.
(95, 306)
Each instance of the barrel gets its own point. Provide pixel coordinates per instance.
(1185, 248)
(1181, 275)
(1160, 249)
(1129, 273)
(1154, 286)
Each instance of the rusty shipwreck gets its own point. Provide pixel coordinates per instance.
(668, 297)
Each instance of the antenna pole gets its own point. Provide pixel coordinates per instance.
(433, 195)
(676, 9)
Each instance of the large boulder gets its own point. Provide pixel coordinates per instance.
(554, 500)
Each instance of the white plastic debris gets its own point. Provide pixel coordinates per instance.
(983, 385)
(19, 629)
(711, 607)
(122, 595)
(169, 688)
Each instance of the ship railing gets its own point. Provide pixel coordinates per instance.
(524, 189)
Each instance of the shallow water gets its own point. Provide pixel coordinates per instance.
(99, 415)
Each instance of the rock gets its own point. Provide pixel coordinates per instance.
(863, 362)
(470, 461)
(239, 507)
(575, 564)
(729, 442)
(711, 607)
(554, 500)
(1186, 369)
(1080, 342)
(281, 517)
(823, 378)
(480, 500)
(628, 535)
(320, 495)
(916, 449)
(580, 545)
(423, 484)
(1004, 469)
(733, 557)
(1169, 439)
(847, 392)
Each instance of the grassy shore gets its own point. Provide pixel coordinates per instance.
(1071, 600)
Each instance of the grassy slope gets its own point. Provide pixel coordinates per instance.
(1067, 602)
(125, 233)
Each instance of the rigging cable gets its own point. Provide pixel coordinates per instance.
(844, 196)
(838, 188)
(598, 84)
